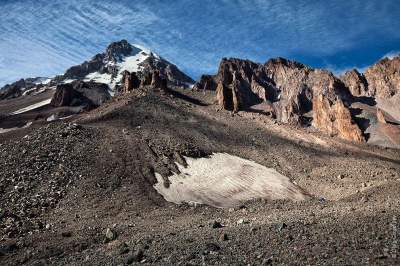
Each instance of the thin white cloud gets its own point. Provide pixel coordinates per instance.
(39, 38)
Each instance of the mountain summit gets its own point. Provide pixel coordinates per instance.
(107, 68)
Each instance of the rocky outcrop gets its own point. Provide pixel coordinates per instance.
(169, 71)
(380, 116)
(384, 78)
(289, 87)
(206, 82)
(85, 94)
(130, 81)
(335, 119)
(356, 82)
(17, 88)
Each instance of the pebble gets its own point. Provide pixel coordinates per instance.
(242, 221)
(216, 225)
(110, 235)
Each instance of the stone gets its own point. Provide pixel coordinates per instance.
(216, 225)
(110, 235)
(242, 221)
(137, 256)
(223, 237)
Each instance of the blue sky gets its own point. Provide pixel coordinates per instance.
(43, 38)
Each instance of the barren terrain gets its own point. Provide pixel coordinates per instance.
(81, 191)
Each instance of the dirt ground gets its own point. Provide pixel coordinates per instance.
(80, 191)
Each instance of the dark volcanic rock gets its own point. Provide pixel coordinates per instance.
(79, 93)
(87, 67)
(17, 88)
(172, 74)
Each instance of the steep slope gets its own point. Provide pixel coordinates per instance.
(81, 87)
(86, 191)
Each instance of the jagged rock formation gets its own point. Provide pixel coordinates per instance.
(289, 87)
(206, 82)
(384, 78)
(131, 81)
(335, 119)
(356, 82)
(86, 94)
(17, 88)
(150, 79)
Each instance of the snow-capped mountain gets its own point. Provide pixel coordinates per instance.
(108, 67)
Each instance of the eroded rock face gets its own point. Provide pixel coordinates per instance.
(206, 82)
(86, 94)
(384, 78)
(334, 118)
(356, 83)
(380, 116)
(289, 87)
(130, 81)
(169, 71)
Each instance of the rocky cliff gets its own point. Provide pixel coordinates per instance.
(290, 87)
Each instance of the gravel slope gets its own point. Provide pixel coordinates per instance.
(97, 204)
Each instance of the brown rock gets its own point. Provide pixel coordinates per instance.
(206, 82)
(334, 118)
(384, 78)
(356, 83)
(156, 79)
(380, 116)
(130, 81)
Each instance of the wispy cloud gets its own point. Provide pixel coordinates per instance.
(39, 38)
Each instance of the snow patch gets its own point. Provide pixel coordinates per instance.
(223, 180)
(32, 107)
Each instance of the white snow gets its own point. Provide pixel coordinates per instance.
(97, 77)
(129, 63)
(223, 180)
(35, 92)
(32, 107)
(68, 81)
(43, 81)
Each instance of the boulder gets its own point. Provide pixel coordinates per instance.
(85, 94)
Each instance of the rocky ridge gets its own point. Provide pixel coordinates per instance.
(298, 94)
